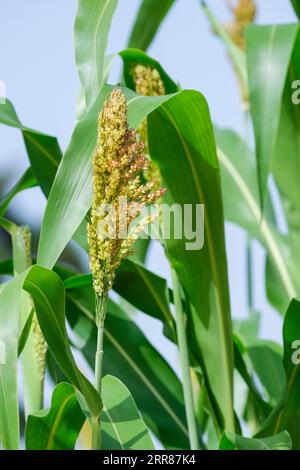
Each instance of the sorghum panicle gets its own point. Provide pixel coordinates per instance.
(118, 163)
(243, 14)
(148, 82)
(40, 345)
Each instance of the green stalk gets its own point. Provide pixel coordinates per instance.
(101, 307)
(185, 368)
(249, 259)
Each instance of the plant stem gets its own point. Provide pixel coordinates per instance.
(101, 306)
(249, 261)
(99, 358)
(184, 361)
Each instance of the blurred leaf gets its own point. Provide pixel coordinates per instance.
(145, 290)
(132, 57)
(92, 25)
(239, 184)
(7, 225)
(296, 6)
(232, 441)
(269, 51)
(10, 301)
(266, 361)
(287, 414)
(181, 130)
(43, 150)
(235, 54)
(262, 409)
(26, 181)
(248, 328)
(286, 160)
(149, 18)
(130, 357)
(58, 427)
(121, 424)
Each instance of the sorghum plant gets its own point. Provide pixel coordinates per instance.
(141, 143)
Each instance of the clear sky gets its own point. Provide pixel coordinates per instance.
(37, 65)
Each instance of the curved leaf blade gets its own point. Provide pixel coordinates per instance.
(58, 427)
(132, 57)
(296, 6)
(269, 51)
(121, 423)
(232, 441)
(43, 150)
(182, 144)
(92, 25)
(148, 20)
(26, 181)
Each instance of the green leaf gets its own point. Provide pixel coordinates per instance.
(154, 386)
(296, 6)
(231, 441)
(180, 130)
(286, 171)
(47, 292)
(71, 194)
(145, 290)
(121, 423)
(248, 329)
(25, 332)
(132, 57)
(58, 427)
(262, 409)
(235, 54)
(267, 364)
(7, 225)
(26, 181)
(269, 51)
(10, 301)
(148, 20)
(92, 25)
(239, 184)
(287, 414)
(43, 150)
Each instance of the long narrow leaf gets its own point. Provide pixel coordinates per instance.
(148, 20)
(92, 26)
(182, 143)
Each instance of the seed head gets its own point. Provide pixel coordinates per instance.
(243, 14)
(148, 82)
(118, 164)
(40, 345)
